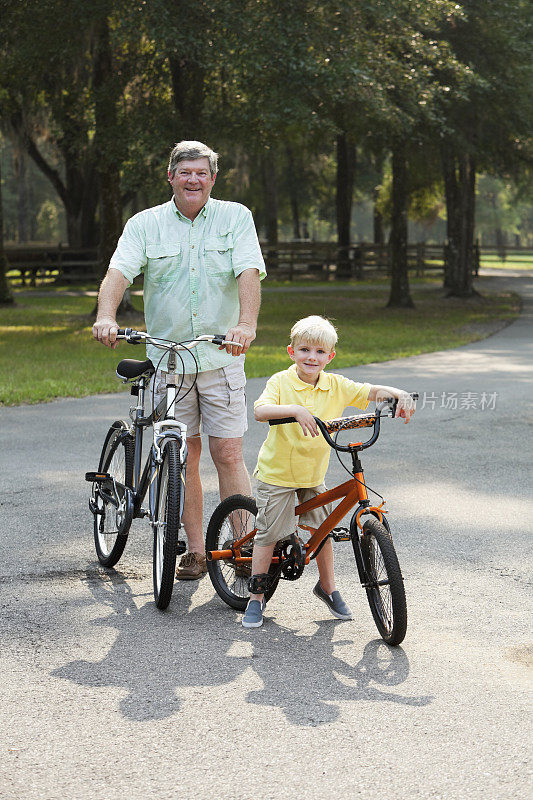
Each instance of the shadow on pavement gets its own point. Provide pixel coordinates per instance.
(156, 654)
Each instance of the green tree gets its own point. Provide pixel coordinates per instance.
(486, 127)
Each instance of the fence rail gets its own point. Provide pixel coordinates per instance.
(44, 264)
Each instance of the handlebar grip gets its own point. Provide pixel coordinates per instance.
(282, 421)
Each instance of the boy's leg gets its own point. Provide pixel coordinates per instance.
(261, 558)
(324, 562)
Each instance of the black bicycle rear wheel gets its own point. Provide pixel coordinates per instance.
(110, 526)
(166, 523)
(231, 520)
(384, 583)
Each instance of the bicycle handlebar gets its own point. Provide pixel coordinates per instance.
(135, 337)
(348, 423)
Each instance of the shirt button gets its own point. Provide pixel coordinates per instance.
(192, 247)
(195, 314)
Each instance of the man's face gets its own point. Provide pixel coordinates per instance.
(192, 183)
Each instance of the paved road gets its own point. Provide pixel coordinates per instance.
(105, 697)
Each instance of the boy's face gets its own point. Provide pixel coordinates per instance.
(310, 359)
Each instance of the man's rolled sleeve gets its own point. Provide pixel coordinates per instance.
(246, 249)
(130, 256)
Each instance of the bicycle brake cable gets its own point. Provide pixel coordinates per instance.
(343, 465)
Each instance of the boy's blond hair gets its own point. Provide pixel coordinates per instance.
(315, 330)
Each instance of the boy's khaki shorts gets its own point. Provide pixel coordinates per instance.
(217, 400)
(275, 511)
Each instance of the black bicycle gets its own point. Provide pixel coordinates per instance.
(119, 487)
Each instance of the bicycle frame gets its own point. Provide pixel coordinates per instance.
(352, 493)
(166, 428)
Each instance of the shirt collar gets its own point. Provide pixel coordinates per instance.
(202, 213)
(323, 380)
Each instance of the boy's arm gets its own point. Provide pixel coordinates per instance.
(302, 415)
(406, 405)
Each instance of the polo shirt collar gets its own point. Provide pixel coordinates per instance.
(323, 380)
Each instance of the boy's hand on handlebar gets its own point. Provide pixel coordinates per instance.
(306, 420)
(405, 407)
(105, 331)
(243, 334)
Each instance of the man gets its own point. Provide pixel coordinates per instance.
(202, 268)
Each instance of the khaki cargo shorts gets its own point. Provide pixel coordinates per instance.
(217, 401)
(275, 511)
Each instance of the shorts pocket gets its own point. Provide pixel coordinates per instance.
(164, 261)
(235, 383)
(217, 253)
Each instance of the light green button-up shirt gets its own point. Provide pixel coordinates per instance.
(190, 271)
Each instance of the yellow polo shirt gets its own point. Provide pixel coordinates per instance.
(287, 457)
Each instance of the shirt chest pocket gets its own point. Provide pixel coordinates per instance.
(163, 262)
(217, 253)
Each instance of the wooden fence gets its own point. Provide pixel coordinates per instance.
(43, 264)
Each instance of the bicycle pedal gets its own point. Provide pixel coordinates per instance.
(182, 547)
(340, 535)
(97, 477)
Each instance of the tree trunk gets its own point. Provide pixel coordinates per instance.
(379, 233)
(346, 166)
(20, 163)
(107, 92)
(400, 295)
(77, 191)
(188, 93)
(293, 193)
(460, 188)
(6, 295)
(270, 205)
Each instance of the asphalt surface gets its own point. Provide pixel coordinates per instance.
(105, 697)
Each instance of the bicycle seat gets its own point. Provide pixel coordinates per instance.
(129, 368)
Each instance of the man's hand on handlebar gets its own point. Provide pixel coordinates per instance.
(105, 330)
(243, 333)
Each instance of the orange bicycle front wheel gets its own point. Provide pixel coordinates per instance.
(384, 582)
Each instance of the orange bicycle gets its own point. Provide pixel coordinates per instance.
(232, 528)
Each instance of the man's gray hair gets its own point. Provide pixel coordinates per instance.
(190, 151)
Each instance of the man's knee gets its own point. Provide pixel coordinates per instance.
(226, 452)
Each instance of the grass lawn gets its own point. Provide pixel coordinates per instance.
(47, 350)
(514, 260)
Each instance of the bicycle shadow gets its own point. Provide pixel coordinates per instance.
(155, 655)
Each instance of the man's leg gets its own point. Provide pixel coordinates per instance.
(228, 459)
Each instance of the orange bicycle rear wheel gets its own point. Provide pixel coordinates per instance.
(231, 520)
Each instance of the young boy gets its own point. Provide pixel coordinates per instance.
(296, 459)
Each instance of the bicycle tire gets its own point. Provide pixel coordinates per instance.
(230, 520)
(116, 459)
(387, 601)
(166, 523)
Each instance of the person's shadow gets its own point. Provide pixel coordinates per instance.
(156, 654)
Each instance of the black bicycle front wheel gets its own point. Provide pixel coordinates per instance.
(232, 519)
(166, 523)
(384, 582)
(110, 525)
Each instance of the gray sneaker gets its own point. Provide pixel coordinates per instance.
(253, 616)
(334, 602)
